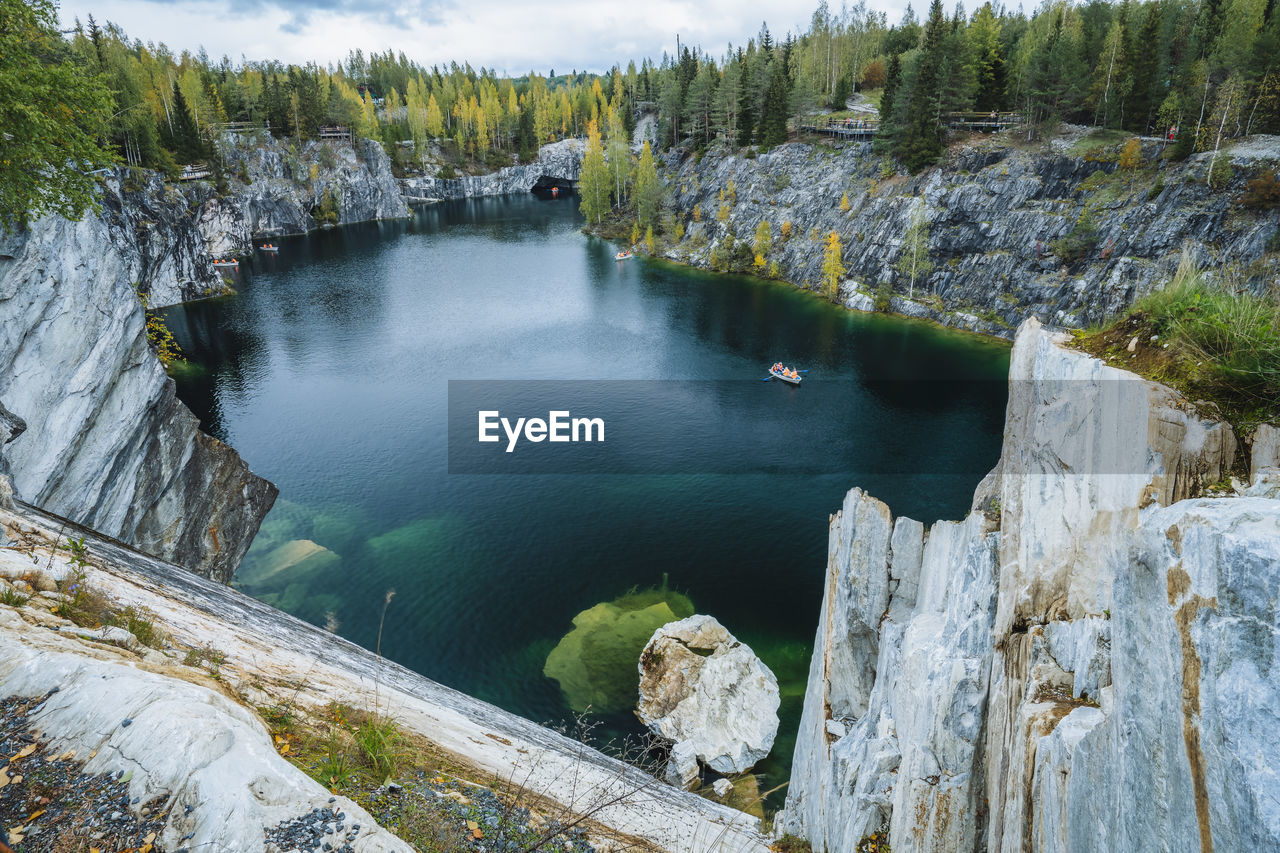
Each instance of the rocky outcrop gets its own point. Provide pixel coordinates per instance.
(11, 426)
(168, 737)
(708, 694)
(166, 234)
(1083, 663)
(108, 443)
(992, 214)
(200, 740)
(559, 161)
(278, 188)
(111, 446)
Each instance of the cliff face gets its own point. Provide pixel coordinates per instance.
(559, 160)
(992, 216)
(167, 234)
(110, 446)
(108, 443)
(1084, 662)
(277, 188)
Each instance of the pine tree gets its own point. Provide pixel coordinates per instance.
(594, 180)
(991, 72)
(746, 115)
(1146, 69)
(773, 115)
(921, 141)
(184, 139)
(887, 132)
(832, 267)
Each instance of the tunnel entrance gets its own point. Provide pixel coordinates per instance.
(549, 186)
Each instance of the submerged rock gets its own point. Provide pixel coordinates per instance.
(595, 662)
(701, 687)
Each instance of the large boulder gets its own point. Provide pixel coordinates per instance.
(701, 688)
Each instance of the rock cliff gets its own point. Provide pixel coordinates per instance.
(108, 443)
(559, 160)
(993, 215)
(167, 234)
(111, 446)
(276, 187)
(1084, 662)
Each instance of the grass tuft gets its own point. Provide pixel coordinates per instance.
(379, 741)
(141, 623)
(1212, 341)
(13, 598)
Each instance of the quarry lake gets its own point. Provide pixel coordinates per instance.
(331, 370)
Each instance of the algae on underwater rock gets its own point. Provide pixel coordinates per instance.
(596, 662)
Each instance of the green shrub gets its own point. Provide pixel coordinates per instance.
(1078, 242)
(1221, 172)
(326, 213)
(207, 656)
(884, 297)
(1262, 193)
(141, 623)
(1156, 188)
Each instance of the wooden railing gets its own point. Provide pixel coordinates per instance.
(989, 121)
(852, 128)
(334, 133)
(238, 127)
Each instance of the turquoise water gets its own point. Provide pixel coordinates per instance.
(329, 372)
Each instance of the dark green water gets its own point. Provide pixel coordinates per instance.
(328, 372)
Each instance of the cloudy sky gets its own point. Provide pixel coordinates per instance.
(508, 35)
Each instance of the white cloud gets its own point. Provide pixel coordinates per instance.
(508, 35)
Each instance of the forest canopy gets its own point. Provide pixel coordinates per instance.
(52, 113)
(1198, 72)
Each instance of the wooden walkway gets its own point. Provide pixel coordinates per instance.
(238, 127)
(992, 122)
(194, 172)
(859, 129)
(334, 133)
(865, 129)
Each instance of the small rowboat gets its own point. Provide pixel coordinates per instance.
(784, 376)
(622, 256)
(269, 248)
(229, 264)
